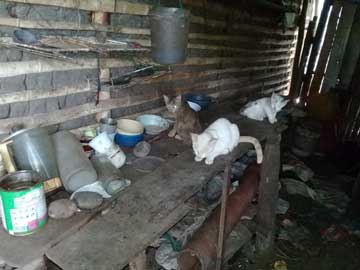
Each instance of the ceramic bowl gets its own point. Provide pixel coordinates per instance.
(129, 132)
(153, 124)
(200, 99)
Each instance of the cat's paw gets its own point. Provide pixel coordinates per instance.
(209, 161)
(178, 137)
(198, 159)
(172, 133)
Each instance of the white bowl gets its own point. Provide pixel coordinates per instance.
(194, 106)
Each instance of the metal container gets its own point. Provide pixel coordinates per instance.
(33, 150)
(169, 34)
(23, 204)
(108, 125)
(75, 168)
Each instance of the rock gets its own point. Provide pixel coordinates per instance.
(88, 200)
(142, 149)
(117, 185)
(61, 209)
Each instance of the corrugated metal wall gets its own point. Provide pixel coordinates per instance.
(231, 52)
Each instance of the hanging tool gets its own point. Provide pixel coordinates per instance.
(98, 80)
(127, 77)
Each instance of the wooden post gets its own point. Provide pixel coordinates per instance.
(316, 47)
(224, 197)
(102, 18)
(304, 56)
(339, 45)
(299, 46)
(326, 48)
(352, 53)
(268, 197)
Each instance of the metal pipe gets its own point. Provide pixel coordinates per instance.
(200, 251)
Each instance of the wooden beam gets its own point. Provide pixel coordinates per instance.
(29, 95)
(45, 119)
(299, 47)
(326, 48)
(268, 197)
(352, 54)
(125, 7)
(339, 46)
(8, 69)
(62, 25)
(304, 59)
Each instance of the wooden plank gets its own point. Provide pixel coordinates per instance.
(62, 25)
(29, 95)
(9, 69)
(304, 59)
(91, 5)
(141, 213)
(45, 119)
(326, 48)
(339, 46)
(21, 251)
(316, 47)
(268, 196)
(124, 7)
(7, 42)
(352, 54)
(299, 47)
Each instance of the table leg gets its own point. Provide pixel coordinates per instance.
(268, 197)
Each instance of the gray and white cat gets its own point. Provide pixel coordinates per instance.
(187, 120)
(220, 138)
(264, 107)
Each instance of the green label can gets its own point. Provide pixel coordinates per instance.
(23, 202)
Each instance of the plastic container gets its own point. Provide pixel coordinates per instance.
(103, 145)
(75, 168)
(108, 125)
(33, 149)
(169, 34)
(129, 132)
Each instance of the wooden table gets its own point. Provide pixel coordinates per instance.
(144, 211)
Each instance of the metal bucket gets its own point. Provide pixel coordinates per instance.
(169, 34)
(33, 150)
(23, 204)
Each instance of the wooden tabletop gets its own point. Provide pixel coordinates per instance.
(140, 214)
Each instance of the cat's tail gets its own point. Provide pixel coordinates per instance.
(257, 146)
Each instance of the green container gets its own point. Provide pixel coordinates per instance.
(23, 203)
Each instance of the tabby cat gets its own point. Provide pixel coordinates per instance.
(187, 121)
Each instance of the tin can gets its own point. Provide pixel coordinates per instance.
(23, 203)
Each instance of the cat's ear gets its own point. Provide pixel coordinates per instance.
(283, 103)
(166, 99)
(194, 137)
(274, 97)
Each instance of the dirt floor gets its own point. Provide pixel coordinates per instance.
(320, 233)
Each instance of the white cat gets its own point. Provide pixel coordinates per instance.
(220, 138)
(264, 107)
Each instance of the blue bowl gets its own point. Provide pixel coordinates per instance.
(202, 100)
(128, 140)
